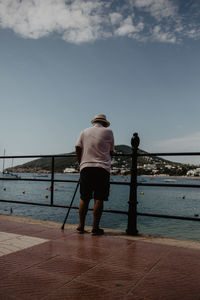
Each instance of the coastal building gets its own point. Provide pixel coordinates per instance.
(70, 170)
(149, 166)
(194, 172)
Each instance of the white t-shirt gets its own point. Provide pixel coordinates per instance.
(96, 143)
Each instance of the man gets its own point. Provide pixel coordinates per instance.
(93, 151)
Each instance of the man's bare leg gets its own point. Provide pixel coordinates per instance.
(97, 212)
(83, 208)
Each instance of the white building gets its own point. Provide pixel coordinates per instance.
(149, 166)
(69, 170)
(194, 172)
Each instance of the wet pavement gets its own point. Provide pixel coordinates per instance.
(40, 261)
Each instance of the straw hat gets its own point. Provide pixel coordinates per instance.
(102, 118)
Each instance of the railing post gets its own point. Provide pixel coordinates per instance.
(52, 180)
(132, 211)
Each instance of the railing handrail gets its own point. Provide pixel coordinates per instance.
(54, 155)
(169, 154)
(38, 156)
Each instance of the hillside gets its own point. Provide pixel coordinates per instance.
(44, 164)
(119, 165)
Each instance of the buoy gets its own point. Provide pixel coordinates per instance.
(23, 192)
(46, 196)
(49, 189)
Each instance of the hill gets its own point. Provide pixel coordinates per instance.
(119, 165)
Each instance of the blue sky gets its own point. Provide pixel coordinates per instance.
(62, 62)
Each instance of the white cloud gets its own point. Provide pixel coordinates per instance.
(127, 27)
(115, 18)
(157, 8)
(163, 36)
(193, 33)
(79, 21)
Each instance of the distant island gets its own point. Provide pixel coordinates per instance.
(120, 165)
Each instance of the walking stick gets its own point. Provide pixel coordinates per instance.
(63, 225)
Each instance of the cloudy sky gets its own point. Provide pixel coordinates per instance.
(62, 62)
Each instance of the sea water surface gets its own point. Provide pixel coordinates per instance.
(159, 200)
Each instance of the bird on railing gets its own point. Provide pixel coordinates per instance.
(135, 141)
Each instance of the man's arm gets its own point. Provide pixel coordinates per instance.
(112, 147)
(78, 153)
(112, 152)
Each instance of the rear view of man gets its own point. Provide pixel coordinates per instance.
(93, 151)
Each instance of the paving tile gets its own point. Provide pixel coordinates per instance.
(4, 236)
(9, 266)
(108, 242)
(8, 248)
(176, 276)
(59, 247)
(77, 240)
(163, 289)
(22, 242)
(52, 233)
(111, 277)
(139, 256)
(23, 259)
(93, 253)
(8, 226)
(80, 250)
(83, 291)
(62, 266)
(6, 297)
(12, 242)
(185, 254)
(26, 229)
(31, 283)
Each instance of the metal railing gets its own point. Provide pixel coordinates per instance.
(169, 185)
(132, 212)
(52, 181)
(132, 228)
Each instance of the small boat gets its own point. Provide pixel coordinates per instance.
(169, 180)
(9, 175)
(41, 175)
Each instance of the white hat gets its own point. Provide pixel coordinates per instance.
(102, 118)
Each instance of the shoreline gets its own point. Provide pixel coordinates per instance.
(168, 176)
(128, 175)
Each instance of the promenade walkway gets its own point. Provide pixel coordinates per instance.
(39, 261)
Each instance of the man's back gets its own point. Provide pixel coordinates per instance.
(96, 142)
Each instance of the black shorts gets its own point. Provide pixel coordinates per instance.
(94, 183)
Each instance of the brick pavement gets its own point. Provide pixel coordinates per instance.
(45, 263)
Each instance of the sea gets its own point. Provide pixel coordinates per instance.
(159, 200)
